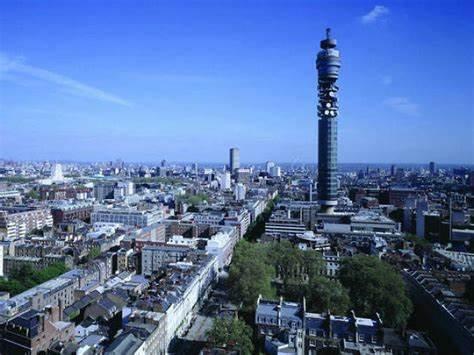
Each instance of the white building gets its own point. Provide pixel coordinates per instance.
(212, 219)
(180, 240)
(180, 313)
(240, 220)
(1, 260)
(239, 192)
(281, 224)
(333, 263)
(19, 221)
(158, 256)
(124, 189)
(275, 171)
(57, 173)
(221, 245)
(101, 228)
(225, 182)
(269, 166)
(127, 216)
(256, 207)
(309, 240)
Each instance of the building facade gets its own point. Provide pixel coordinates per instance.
(19, 221)
(126, 216)
(234, 159)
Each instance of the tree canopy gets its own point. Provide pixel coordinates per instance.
(301, 275)
(194, 200)
(421, 245)
(323, 294)
(374, 286)
(250, 274)
(231, 334)
(257, 228)
(25, 277)
(257, 269)
(94, 252)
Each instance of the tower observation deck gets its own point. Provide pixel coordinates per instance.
(328, 64)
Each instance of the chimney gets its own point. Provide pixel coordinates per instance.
(279, 311)
(329, 324)
(60, 310)
(354, 325)
(42, 322)
(379, 320)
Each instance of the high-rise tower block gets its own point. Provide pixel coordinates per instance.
(328, 64)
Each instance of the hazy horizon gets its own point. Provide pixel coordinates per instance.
(244, 163)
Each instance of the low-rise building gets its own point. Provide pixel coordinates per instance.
(281, 224)
(288, 328)
(68, 212)
(180, 294)
(11, 263)
(156, 257)
(333, 263)
(55, 292)
(35, 332)
(150, 328)
(19, 221)
(221, 245)
(127, 216)
(444, 312)
(239, 219)
(123, 259)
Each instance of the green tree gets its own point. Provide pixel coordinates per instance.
(33, 194)
(231, 334)
(323, 294)
(193, 208)
(397, 215)
(374, 286)
(287, 261)
(421, 246)
(193, 199)
(25, 277)
(257, 228)
(94, 252)
(250, 274)
(295, 268)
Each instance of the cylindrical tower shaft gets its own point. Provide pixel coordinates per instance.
(328, 64)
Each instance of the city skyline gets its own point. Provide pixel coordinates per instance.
(238, 76)
(236, 177)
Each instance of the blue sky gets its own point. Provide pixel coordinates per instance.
(186, 80)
